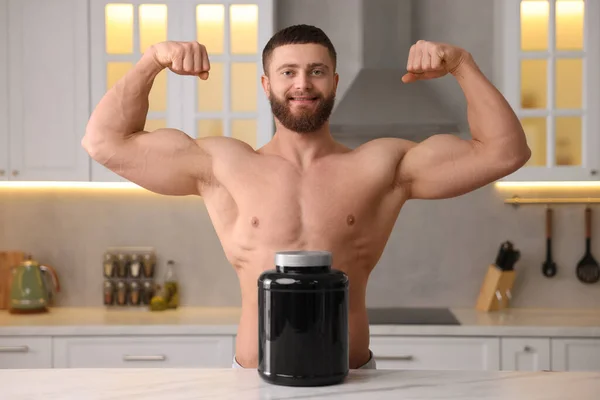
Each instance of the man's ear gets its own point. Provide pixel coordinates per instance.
(264, 80)
(336, 79)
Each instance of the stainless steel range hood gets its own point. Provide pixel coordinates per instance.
(378, 103)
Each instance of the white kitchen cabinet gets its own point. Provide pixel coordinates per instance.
(48, 90)
(436, 353)
(230, 103)
(577, 354)
(550, 76)
(525, 354)
(25, 352)
(210, 351)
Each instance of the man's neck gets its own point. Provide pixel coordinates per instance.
(302, 149)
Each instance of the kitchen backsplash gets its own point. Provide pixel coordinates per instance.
(437, 255)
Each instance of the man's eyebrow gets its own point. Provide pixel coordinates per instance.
(321, 65)
(288, 66)
(312, 65)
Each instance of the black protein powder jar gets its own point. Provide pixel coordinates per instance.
(303, 321)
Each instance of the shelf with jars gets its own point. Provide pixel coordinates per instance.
(129, 276)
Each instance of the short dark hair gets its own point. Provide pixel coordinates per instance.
(298, 34)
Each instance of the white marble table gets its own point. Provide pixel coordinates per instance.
(179, 384)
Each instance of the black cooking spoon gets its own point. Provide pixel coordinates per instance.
(588, 270)
(549, 266)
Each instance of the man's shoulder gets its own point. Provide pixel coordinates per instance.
(223, 145)
(386, 147)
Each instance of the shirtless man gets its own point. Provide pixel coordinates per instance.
(303, 190)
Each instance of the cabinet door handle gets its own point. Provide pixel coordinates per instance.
(144, 358)
(14, 349)
(2, 172)
(15, 173)
(394, 358)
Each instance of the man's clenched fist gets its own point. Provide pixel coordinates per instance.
(183, 58)
(430, 60)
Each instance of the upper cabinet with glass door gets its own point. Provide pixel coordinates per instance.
(551, 78)
(229, 103)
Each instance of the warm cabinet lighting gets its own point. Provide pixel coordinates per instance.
(534, 25)
(153, 25)
(69, 185)
(244, 28)
(244, 13)
(210, 27)
(569, 24)
(548, 185)
(119, 28)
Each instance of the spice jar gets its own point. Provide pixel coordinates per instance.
(149, 264)
(134, 293)
(147, 292)
(122, 265)
(121, 293)
(110, 265)
(109, 293)
(135, 266)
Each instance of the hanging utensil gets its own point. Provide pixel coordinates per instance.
(588, 270)
(549, 266)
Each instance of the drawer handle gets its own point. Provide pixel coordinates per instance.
(14, 349)
(144, 358)
(394, 358)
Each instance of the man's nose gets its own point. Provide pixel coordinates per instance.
(302, 82)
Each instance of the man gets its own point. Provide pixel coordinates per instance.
(303, 190)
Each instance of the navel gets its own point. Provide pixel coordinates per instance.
(254, 222)
(350, 219)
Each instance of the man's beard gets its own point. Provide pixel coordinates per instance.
(304, 121)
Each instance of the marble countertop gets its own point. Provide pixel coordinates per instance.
(224, 320)
(175, 384)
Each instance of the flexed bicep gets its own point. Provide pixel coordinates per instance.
(165, 161)
(445, 166)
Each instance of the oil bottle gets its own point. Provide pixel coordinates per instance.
(171, 285)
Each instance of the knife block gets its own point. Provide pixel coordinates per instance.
(495, 292)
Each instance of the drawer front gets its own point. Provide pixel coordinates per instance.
(25, 352)
(432, 353)
(578, 354)
(144, 352)
(525, 354)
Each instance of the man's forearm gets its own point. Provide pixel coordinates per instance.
(123, 109)
(491, 119)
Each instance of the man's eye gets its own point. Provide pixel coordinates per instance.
(317, 72)
(287, 72)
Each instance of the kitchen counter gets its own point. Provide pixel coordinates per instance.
(174, 384)
(224, 320)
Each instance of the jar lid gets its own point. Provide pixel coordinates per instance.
(303, 258)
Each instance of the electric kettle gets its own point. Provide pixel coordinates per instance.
(29, 291)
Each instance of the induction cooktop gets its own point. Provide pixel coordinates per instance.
(411, 316)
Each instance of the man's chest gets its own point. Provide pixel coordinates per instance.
(281, 208)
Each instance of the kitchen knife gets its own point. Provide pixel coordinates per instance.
(503, 254)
